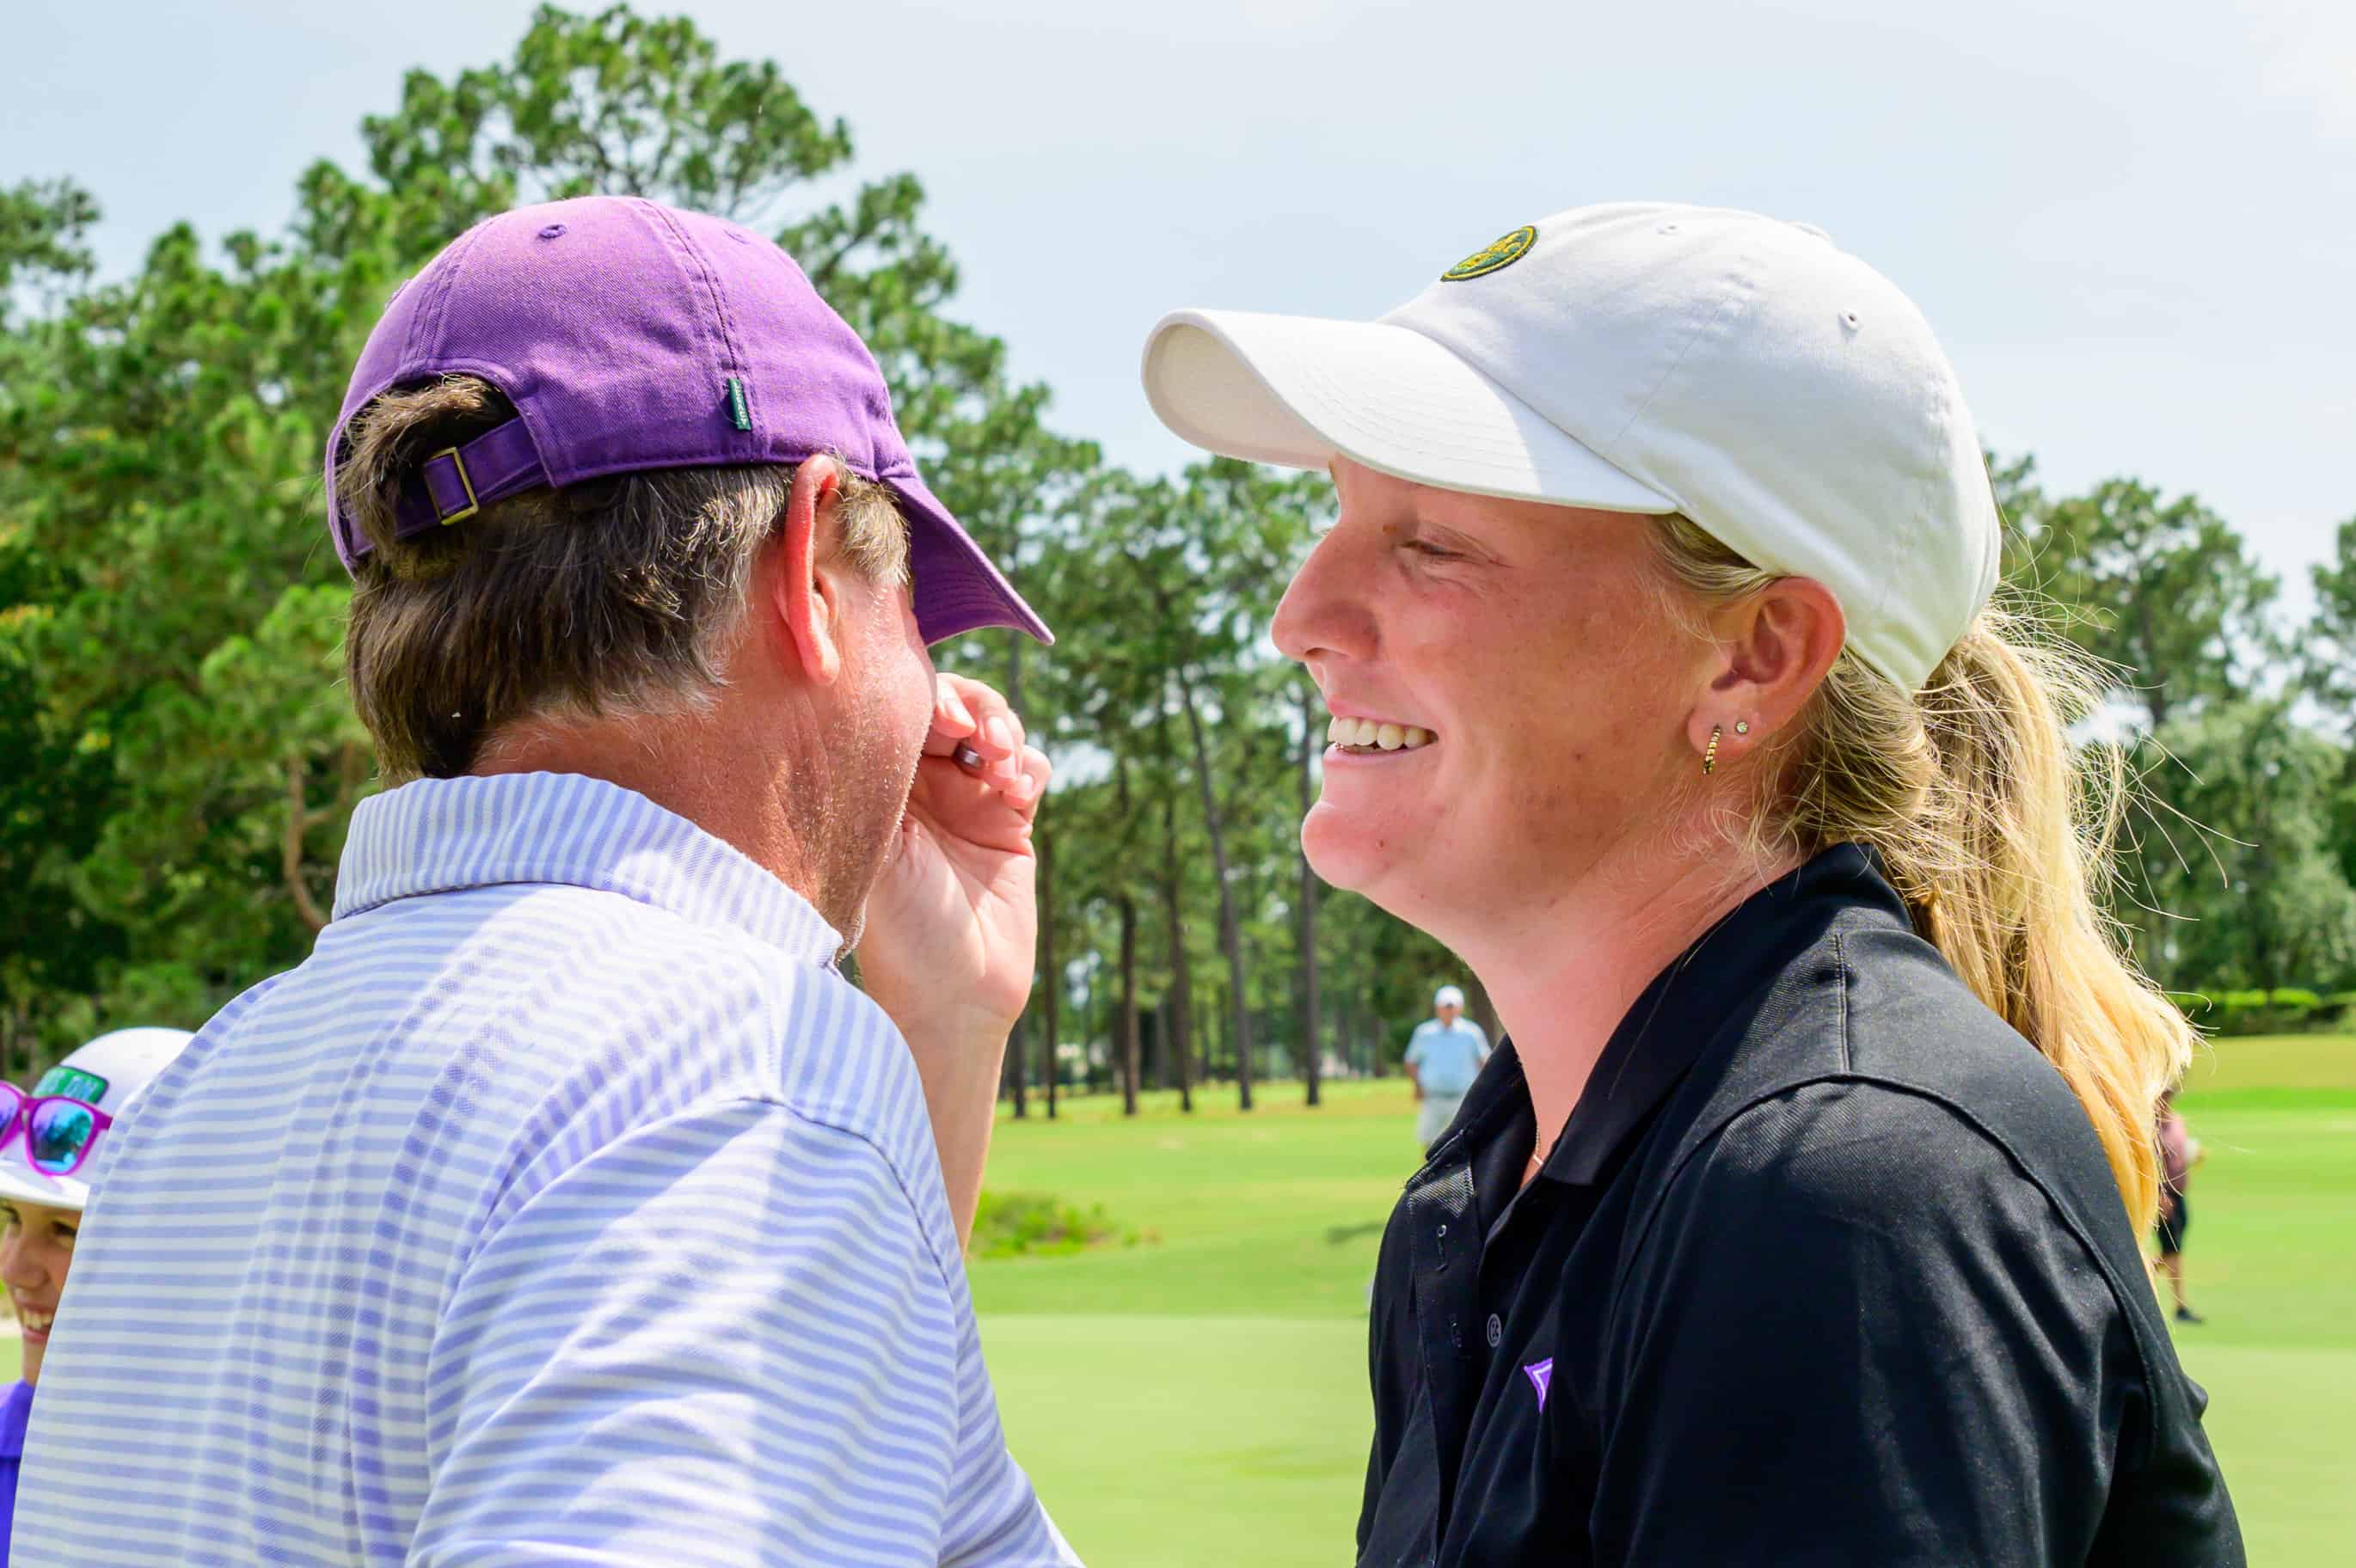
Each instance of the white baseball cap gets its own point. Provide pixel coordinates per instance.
(1448, 996)
(109, 1073)
(1647, 358)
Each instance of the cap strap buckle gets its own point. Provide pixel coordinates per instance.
(466, 483)
(459, 481)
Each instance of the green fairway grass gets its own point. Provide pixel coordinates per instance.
(2271, 1263)
(1201, 1397)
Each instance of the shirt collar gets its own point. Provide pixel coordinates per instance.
(441, 836)
(1681, 1011)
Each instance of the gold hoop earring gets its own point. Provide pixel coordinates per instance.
(1709, 758)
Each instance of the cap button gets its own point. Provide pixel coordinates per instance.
(551, 231)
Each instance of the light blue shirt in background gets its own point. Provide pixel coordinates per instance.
(1447, 1057)
(566, 1204)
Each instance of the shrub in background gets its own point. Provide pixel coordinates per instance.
(1039, 1224)
(2286, 1010)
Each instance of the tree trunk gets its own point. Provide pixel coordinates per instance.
(1231, 936)
(1162, 1040)
(1218, 1052)
(1311, 1064)
(1017, 1044)
(1125, 1043)
(1018, 1038)
(1088, 1084)
(1182, 1034)
(1051, 1013)
(1127, 1006)
(290, 851)
(1207, 1041)
(1182, 1021)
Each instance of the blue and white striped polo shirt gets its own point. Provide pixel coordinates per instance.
(565, 1205)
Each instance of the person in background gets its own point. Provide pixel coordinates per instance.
(2180, 1151)
(50, 1159)
(1443, 1057)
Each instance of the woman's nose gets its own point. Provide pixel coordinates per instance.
(1322, 611)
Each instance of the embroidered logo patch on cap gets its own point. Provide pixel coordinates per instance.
(71, 1081)
(1501, 252)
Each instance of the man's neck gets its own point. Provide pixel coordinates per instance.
(1561, 982)
(684, 764)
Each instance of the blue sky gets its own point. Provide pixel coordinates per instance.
(2134, 225)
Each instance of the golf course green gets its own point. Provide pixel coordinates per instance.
(1200, 1396)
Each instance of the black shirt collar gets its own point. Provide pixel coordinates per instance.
(1666, 1029)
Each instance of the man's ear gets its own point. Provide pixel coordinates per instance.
(1775, 647)
(804, 599)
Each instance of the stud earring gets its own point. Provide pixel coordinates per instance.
(1743, 726)
(1709, 757)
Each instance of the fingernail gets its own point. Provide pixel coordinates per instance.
(1000, 735)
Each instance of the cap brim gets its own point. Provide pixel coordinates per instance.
(20, 1183)
(958, 587)
(1297, 391)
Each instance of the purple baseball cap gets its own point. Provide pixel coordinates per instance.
(630, 336)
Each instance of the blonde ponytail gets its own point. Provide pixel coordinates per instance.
(1995, 830)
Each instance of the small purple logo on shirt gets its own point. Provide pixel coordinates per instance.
(1540, 1374)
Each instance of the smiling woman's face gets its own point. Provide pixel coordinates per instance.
(37, 1245)
(1529, 642)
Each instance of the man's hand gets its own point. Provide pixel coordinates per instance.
(952, 926)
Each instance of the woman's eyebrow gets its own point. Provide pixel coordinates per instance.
(1454, 538)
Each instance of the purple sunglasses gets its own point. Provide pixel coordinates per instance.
(58, 1129)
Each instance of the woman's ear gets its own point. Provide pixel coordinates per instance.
(1778, 645)
(801, 595)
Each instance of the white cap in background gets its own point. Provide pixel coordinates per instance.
(1448, 996)
(110, 1073)
(1643, 357)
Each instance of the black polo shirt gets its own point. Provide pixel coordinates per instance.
(1826, 1267)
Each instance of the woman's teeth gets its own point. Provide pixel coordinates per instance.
(38, 1322)
(1368, 735)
